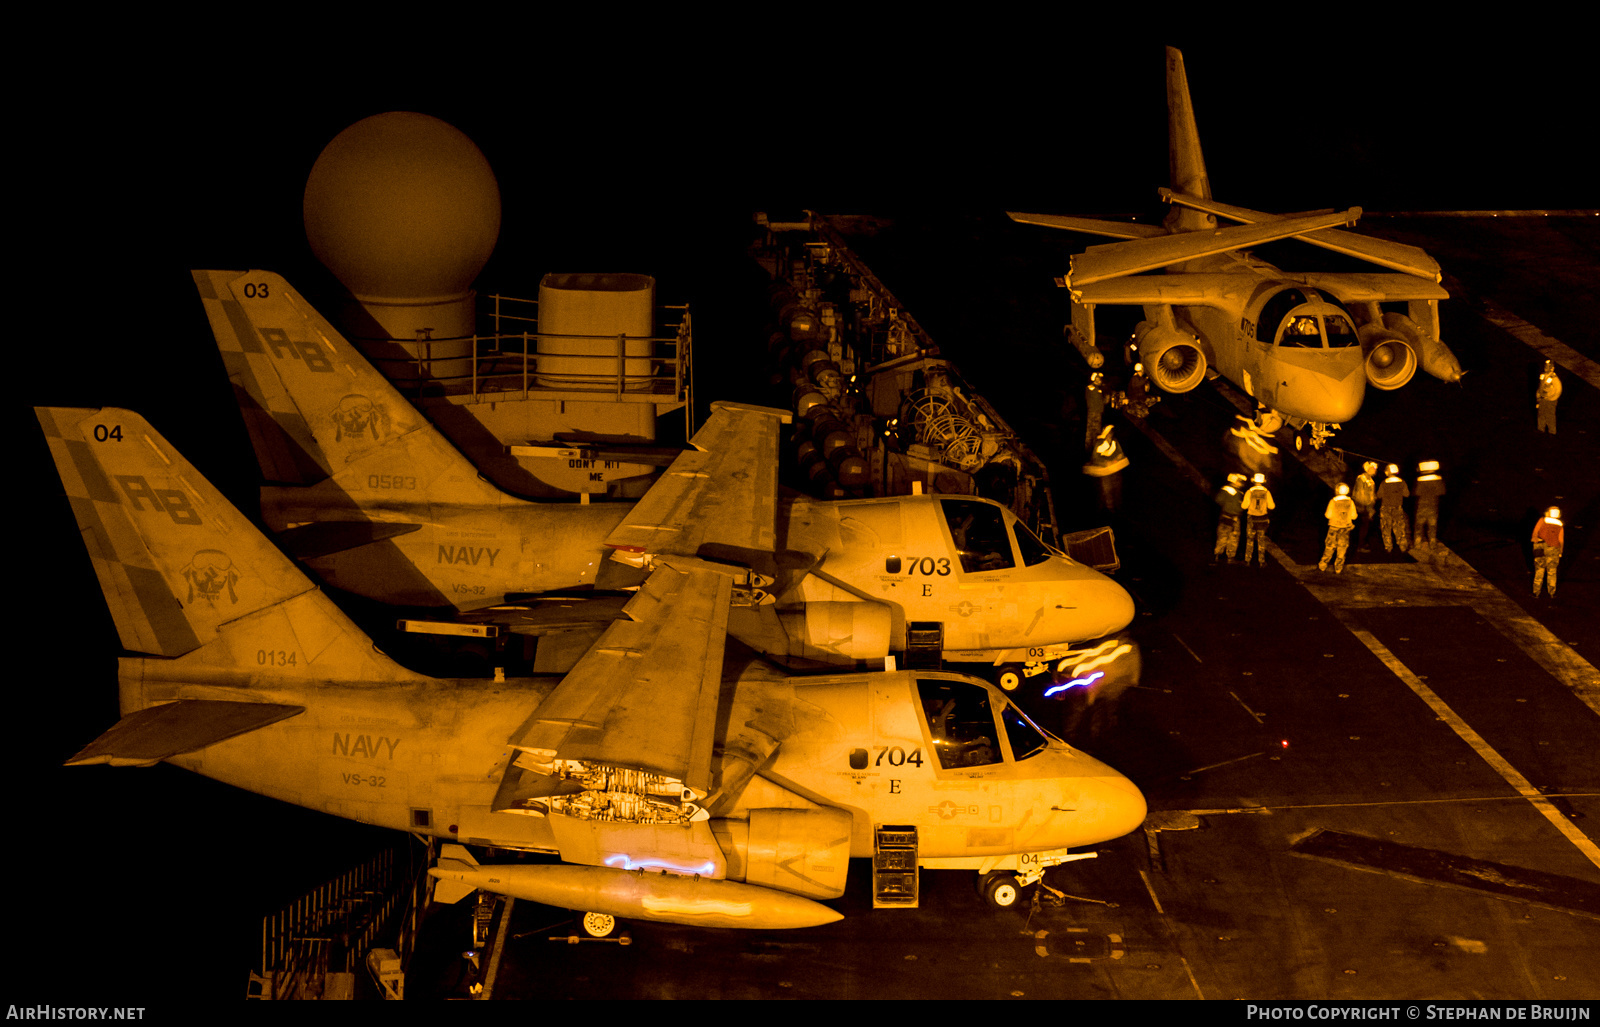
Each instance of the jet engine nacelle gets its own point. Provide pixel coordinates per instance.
(1390, 360)
(1435, 356)
(801, 851)
(828, 630)
(1173, 360)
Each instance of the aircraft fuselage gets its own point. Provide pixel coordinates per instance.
(427, 755)
(1250, 339)
(883, 564)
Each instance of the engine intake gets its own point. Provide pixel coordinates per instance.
(1390, 360)
(1172, 359)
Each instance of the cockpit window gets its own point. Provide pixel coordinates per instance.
(1340, 333)
(961, 723)
(1033, 551)
(980, 535)
(1302, 330)
(1026, 740)
(1275, 310)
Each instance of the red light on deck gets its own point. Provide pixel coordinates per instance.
(1284, 744)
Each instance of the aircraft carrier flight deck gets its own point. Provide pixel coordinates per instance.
(1379, 783)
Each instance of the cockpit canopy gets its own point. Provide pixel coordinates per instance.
(961, 722)
(982, 541)
(1307, 319)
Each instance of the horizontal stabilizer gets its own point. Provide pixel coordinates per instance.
(1399, 256)
(1092, 226)
(309, 541)
(1137, 255)
(159, 732)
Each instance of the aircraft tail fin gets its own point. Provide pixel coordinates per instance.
(182, 570)
(314, 405)
(1187, 165)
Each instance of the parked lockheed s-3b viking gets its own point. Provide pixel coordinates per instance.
(1303, 345)
(748, 790)
(379, 504)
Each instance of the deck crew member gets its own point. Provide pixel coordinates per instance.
(1429, 488)
(1095, 402)
(1365, 496)
(1549, 537)
(1232, 503)
(1258, 507)
(1341, 514)
(1392, 495)
(1545, 397)
(1106, 464)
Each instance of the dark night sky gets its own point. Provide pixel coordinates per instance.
(151, 166)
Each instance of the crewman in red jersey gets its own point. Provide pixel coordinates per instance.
(1549, 538)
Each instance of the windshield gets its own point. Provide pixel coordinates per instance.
(1025, 739)
(1302, 330)
(1033, 550)
(980, 535)
(961, 723)
(1339, 331)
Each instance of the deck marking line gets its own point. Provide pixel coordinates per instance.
(1247, 709)
(1464, 731)
(1507, 772)
(1181, 642)
(1442, 574)
(1548, 346)
(1151, 889)
(1433, 866)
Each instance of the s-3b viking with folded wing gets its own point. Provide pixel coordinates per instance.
(1304, 345)
(379, 504)
(675, 781)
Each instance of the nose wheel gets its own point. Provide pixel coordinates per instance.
(598, 925)
(1000, 889)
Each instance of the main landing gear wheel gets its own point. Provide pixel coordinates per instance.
(1009, 676)
(1000, 889)
(598, 925)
